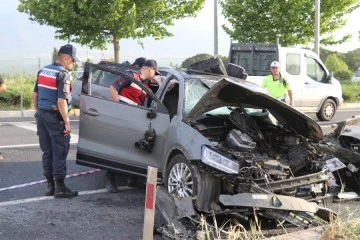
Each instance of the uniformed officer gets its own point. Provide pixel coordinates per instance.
(52, 101)
(130, 93)
(127, 92)
(277, 84)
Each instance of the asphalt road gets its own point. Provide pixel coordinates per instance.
(95, 214)
(25, 214)
(339, 115)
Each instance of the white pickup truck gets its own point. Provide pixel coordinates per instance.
(314, 87)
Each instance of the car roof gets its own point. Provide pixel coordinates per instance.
(186, 74)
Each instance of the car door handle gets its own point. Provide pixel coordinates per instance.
(92, 112)
(307, 83)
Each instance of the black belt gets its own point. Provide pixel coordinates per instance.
(47, 110)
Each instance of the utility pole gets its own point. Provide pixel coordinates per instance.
(215, 30)
(317, 27)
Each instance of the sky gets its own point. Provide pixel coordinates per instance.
(24, 42)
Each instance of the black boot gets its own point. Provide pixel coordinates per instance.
(111, 183)
(51, 187)
(61, 191)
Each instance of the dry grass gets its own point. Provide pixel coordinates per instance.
(229, 230)
(342, 228)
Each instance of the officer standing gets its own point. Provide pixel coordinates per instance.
(277, 84)
(52, 101)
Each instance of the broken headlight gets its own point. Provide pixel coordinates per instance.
(218, 161)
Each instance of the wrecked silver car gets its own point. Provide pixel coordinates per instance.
(221, 141)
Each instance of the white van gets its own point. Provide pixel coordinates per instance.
(314, 87)
(356, 77)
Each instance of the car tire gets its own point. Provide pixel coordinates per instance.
(180, 177)
(327, 110)
(205, 187)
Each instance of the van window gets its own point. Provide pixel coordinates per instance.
(293, 63)
(357, 74)
(315, 70)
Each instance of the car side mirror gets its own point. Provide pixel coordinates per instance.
(151, 114)
(330, 77)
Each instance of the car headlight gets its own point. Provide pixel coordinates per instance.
(216, 160)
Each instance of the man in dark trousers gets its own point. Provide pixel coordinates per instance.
(52, 101)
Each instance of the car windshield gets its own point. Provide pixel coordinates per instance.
(196, 88)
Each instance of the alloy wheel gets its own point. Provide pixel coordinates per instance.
(180, 180)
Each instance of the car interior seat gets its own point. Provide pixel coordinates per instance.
(171, 100)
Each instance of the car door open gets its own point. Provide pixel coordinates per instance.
(119, 136)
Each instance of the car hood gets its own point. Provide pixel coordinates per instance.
(351, 132)
(228, 92)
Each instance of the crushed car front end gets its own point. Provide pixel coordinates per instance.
(255, 153)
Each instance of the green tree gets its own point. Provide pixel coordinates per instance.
(54, 54)
(352, 59)
(200, 57)
(324, 53)
(261, 21)
(338, 66)
(96, 23)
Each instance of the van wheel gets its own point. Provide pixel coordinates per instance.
(327, 110)
(180, 177)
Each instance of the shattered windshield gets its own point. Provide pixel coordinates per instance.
(196, 88)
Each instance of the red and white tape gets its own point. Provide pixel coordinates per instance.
(43, 181)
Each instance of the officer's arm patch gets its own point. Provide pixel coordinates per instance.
(67, 86)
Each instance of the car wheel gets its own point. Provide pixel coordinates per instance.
(180, 178)
(183, 179)
(327, 110)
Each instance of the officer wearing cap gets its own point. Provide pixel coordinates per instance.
(277, 84)
(52, 101)
(131, 93)
(139, 62)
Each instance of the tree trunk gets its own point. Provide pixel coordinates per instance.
(116, 43)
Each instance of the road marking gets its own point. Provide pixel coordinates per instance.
(32, 127)
(28, 145)
(19, 146)
(38, 199)
(30, 122)
(25, 125)
(43, 181)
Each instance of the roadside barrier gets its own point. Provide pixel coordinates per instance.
(43, 181)
(150, 197)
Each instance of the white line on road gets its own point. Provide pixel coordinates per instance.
(29, 122)
(32, 127)
(38, 199)
(43, 181)
(27, 145)
(25, 125)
